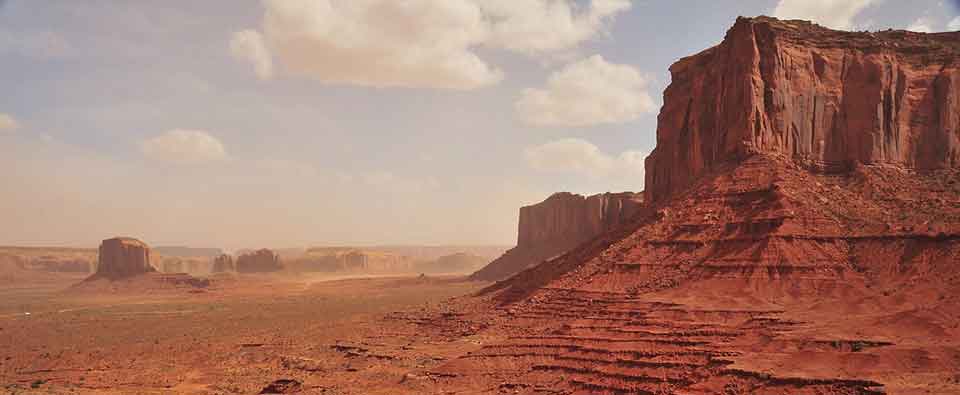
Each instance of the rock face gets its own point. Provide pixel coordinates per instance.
(260, 261)
(122, 257)
(559, 223)
(823, 98)
(223, 264)
(805, 190)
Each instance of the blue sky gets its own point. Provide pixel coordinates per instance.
(426, 125)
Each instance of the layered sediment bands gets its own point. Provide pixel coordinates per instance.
(558, 224)
(729, 286)
(824, 98)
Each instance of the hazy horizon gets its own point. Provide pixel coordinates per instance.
(288, 124)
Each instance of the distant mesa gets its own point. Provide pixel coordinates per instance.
(124, 264)
(223, 264)
(182, 251)
(350, 259)
(558, 224)
(123, 257)
(259, 261)
(460, 262)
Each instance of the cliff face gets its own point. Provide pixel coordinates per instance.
(559, 223)
(123, 257)
(823, 98)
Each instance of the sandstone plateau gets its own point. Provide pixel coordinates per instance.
(558, 224)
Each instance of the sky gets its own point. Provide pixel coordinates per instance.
(286, 123)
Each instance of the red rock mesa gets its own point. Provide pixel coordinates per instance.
(826, 99)
(559, 223)
(259, 261)
(122, 257)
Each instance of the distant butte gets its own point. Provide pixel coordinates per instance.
(561, 222)
(122, 257)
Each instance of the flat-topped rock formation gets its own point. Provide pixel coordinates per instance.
(123, 257)
(823, 98)
(559, 223)
(259, 261)
(801, 234)
(353, 259)
(184, 251)
(223, 264)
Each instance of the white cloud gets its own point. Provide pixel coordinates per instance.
(836, 14)
(589, 92)
(7, 122)
(573, 155)
(248, 45)
(922, 24)
(954, 24)
(419, 43)
(532, 26)
(182, 146)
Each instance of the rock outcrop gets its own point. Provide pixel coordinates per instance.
(803, 214)
(559, 223)
(259, 261)
(223, 264)
(123, 257)
(823, 98)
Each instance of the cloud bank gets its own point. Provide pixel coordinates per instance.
(580, 157)
(7, 122)
(184, 147)
(835, 14)
(585, 93)
(415, 43)
(248, 45)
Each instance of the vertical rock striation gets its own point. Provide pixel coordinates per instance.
(559, 223)
(826, 99)
(122, 257)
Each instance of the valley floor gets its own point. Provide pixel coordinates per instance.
(404, 335)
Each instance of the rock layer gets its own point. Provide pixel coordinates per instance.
(827, 99)
(559, 223)
(122, 257)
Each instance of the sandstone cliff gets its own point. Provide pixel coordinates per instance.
(826, 99)
(559, 223)
(122, 257)
(805, 190)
